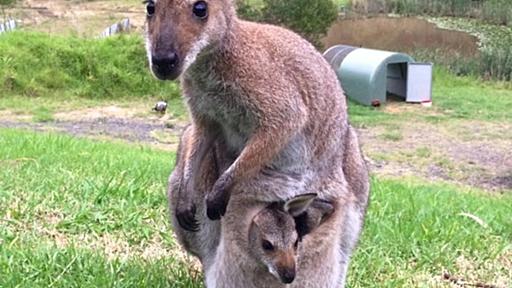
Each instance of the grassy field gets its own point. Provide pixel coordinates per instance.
(41, 65)
(78, 213)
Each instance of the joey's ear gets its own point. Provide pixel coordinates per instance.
(313, 217)
(299, 204)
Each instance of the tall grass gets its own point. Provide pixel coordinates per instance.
(492, 11)
(495, 58)
(35, 64)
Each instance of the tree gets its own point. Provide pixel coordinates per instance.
(310, 18)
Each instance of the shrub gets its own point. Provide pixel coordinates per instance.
(7, 2)
(249, 11)
(3, 4)
(310, 18)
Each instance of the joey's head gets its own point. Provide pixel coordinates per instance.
(276, 231)
(178, 31)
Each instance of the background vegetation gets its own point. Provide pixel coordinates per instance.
(495, 58)
(489, 20)
(493, 11)
(310, 18)
(36, 64)
(7, 2)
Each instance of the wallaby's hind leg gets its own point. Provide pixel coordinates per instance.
(356, 171)
(203, 238)
(358, 182)
(184, 207)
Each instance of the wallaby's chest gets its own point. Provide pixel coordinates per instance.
(223, 103)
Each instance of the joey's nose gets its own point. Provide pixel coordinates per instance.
(165, 66)
(288, 276)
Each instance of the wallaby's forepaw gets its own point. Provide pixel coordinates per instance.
(186, 216)
(217, 202)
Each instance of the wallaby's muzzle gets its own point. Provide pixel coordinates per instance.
(285, 267)
(287, 275)
(165, 65)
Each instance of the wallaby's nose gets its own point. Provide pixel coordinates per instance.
(165, 66)
(287, 276)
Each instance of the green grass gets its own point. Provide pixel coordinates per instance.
(42, 114)
(42, 74)
(65, 201)
(466, 97)
(40, 65)
(80, 213)
(55, 73)
(416, 231)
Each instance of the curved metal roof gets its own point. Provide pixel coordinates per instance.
(363, 72)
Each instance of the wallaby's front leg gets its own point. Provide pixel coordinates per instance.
(266, 142)
(200, 143)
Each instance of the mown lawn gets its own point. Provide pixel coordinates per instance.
(83, 213)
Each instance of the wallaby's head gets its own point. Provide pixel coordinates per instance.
(276, 231)
(179, 30)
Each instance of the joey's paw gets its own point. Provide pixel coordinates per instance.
(217, 202)
(186, 216)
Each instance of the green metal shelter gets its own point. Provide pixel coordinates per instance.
(368, 76)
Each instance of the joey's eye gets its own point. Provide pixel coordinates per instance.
(267, 246)
(200, 9)
(150, 8)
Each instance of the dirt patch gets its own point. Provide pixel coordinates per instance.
(83, 18)
(111, 111)
(473, 153)
(6, 115)
(110, 122)
(456, 152)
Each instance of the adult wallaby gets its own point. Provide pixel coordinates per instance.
(266, 92)
(233, 252)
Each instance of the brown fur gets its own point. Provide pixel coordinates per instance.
(267, 92)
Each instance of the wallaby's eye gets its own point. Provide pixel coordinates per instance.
(267, 246)
(200, 9)
(150, 8)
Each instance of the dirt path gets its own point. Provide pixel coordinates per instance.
(474, 153)
(82, 18)
(477, 154)
(110, 122)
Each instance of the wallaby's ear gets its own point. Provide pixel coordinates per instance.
(299, 204)
(313, 217)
